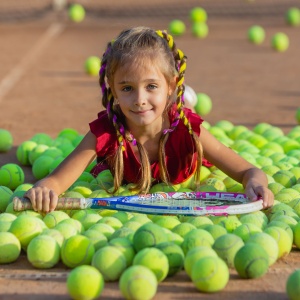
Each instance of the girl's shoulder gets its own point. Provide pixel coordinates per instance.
(102, 124)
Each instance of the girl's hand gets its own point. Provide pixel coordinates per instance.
(42, 199)
(255, 192)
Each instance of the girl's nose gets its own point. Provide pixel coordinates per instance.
(140, 98)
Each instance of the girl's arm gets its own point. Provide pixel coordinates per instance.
(44, 194)
(253, 179)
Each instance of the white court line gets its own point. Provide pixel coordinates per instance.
(16, 73)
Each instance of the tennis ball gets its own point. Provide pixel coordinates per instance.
(204, 104)
(104, 180)
(155, 260)
(75, 223)
(200, 221)
(6, 140)
(76, 13)
(167, 222)
(210, 274)
(123, 216)
(52, 218)
(215, 230)
(138, 283)
(293, 285)
(10, 248)
(268, 243)
(92, 65)
(36, 152)
(25, 228)
(227, 246)
(174, 255)
(142, 219)
(68, 133)
(110, 261)
(123, 232)
(292, 16)
(77, 250)
(5, 194)
(230, 223)
(280, 42)
(43, 252)
(97, 238)
(54, 233)
(67, 230)
(11, 175)
(85, 282)
(87, 219)
(148, 235)
(246, 230)
(126, 247)
(194, 255)
(251, 261)
(41, 166)
(132, 225)
(42, 138)
(161, 187)
(282, 225)
(177, 27)
(111, 221)
(183, 228)
(296, 235)
(198, 14)
(285, 177)
(200, 30)
(284, 241)
(257, 220)
(256, 34)
(103, 228)
(196, 238)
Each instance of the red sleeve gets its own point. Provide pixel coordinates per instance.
(194, 119)
(105, 134)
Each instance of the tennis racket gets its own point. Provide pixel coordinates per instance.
(172, 203)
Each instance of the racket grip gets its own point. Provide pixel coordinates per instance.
(21, 204)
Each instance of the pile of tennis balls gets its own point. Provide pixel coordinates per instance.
(199, 28)
(140, 250)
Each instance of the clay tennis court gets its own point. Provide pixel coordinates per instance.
(43, 88)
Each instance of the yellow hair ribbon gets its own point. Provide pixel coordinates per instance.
(180, 54)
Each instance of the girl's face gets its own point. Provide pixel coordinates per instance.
(142, 92)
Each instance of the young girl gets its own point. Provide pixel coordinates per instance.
(145, 135)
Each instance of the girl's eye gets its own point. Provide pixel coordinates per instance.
(126, 88)
(152, 86)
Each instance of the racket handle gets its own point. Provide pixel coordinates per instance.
(21, 204)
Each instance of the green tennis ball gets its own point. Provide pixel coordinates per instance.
(210, 274)
(123, 232)
(6, 140)
(256, 34)
(76, 13)
(132, 225)
(85, 282)
(285, 177)
(230, 223)
(103, 228)
(111, 221)
(204, 104)
(54, 233)
(284, 241)
(138, 283)
(227, 246)
(25, 228)
(5, 195)
(43, 252)
(196, 238)
(280, 42)
(142, 219)
(155, 260)
(246, 230)
(200, 30)
(76, 251)
(183, 228)
(296, 235)
(251, 261)
(11, 175)
(10, 248)
(167, 222)
(268, 243)
(200, 221)
(174, 255)
(104, 180)
(161, 187)
(92, 65)
(110, 261)
(123, 216)
(292, 16)
(67, 230)
(126, 247)
(177, 27)
(194, 255)
(41, 166)
(148, 235)
(293, 285)
(257, 220)
(215, 230)
(53, 218)
(87, 220)
(97, 238)
(198, 14)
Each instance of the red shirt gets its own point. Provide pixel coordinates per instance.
(181, 155)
